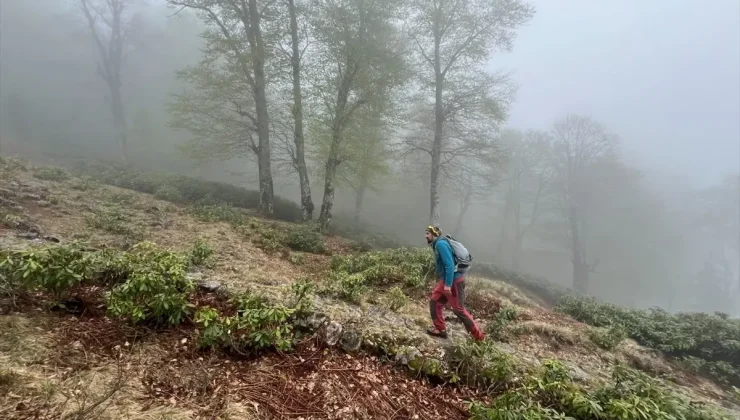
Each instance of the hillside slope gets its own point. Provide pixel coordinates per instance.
(347, 322)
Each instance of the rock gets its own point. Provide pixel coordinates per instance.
(210, 286)
(578, 374)
(408, 355)
(77, 345)
(4, 202)
(28, 235)
(30, 196)
(333, 333)
(52, 238)
(29, 227)
(33, 187)
(314, 321)
(8, 194)
(351, 341)
(43, 204)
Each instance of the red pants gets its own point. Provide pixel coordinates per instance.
(456, 299)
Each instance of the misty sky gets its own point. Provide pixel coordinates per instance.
(663, 74)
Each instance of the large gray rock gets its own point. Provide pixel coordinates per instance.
(315, 321)
(408, 355)
(351, 340)
(210, 286)
(578, 374)
(332, 333)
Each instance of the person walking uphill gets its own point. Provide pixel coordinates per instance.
(449, 289)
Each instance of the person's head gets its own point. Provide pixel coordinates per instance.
(432, 233)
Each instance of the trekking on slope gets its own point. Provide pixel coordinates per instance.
(450, 287)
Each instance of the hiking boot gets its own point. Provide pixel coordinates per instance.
(437, 333)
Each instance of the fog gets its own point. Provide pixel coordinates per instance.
(658, 86)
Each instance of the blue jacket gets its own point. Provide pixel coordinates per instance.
(445, 261)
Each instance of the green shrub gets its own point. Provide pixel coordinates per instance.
(190, 190)
(274, 237)
(218, 213)
(54, 200)
(10, 166)
(711, 338)
(397, 299)
(497, 327)
(155, 290)
(302, 296)
(351, 274)
(297, 259)
(551, 394)
(55, 269)
(113, 221)
(608, 338)
(482, 365)
(404, 266)
(84, 183)
(345, 286)
(269, 239)
(122, 198)
(362, 246)
(201, 254)
(305, 238)
(149, 283)
(12, 221)
(258, 324)
(51, 174)
(169, 193)
(213, 327)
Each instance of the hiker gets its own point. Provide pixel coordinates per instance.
(450, 288)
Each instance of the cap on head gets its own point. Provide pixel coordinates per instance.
(435, 231)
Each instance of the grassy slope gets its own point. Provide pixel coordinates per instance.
(46, 355)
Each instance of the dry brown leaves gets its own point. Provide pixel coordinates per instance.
(309, 384)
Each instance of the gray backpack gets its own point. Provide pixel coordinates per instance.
(462, 257)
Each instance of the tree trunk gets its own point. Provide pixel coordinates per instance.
(119, 119)
(306, 201)
(358, 204)
(503, 235)
(328, 202)
(464, 206)
(438, 125)
(518, 231)
(332, 162)
(517, 252)
(580, 266)
(260, 100)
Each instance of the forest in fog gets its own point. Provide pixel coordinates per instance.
(390, 114)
